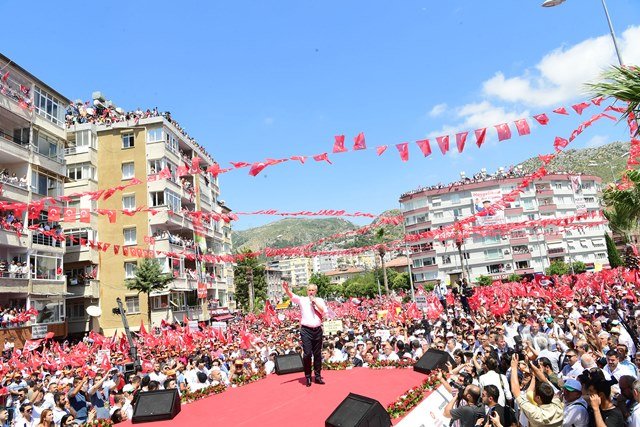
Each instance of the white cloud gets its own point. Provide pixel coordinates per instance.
(561, 75)
(598, 140)
(478, 115)
(437, 110)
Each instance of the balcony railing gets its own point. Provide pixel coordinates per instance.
(22, 143)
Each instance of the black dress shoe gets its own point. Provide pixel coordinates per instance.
(308, 382)
(319, 380)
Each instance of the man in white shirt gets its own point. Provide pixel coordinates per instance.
(634, 419)
(614, 368)
(388, 353)
(312, 310)
(494, 378)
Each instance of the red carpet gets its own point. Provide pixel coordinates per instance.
(285, 401)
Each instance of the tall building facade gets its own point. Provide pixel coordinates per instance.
(106, 155)
(32, 168)
(519, 252)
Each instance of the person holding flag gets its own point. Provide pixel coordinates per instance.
(312, 310)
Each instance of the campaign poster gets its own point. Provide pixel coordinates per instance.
(486, 213)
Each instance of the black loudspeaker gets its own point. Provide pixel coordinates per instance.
(433, 359)
(156, 405)
(288, 364)
(359, 411)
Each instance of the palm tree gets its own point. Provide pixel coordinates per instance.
(382, 252)
(622, 83)
(623, 210)
(149, 278)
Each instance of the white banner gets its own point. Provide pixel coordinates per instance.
(576, 186)
(332, 327)
(430, 411)
(38, 331)
(421, 302)
(219, 325)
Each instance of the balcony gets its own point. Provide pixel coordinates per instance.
(83, 154)
(515, 240)
(14, 283)
(91, 289)
(49, 286)
(10, 238)
(522, 271)
(513, 211)
(554, 237)
(81, 254)
(521, 256)
(556, 252)
(544, 192)
(433, 267)
(550, 207)
(48, 242)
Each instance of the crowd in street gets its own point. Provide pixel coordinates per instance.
(532, 353)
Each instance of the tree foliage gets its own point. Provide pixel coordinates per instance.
(244, 269)
(557, 268)
(622, 83)
(514, 278)
(149, 278)
(484, 281)
(615, 260)
(323, 282)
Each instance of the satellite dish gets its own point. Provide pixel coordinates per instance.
(94, 311)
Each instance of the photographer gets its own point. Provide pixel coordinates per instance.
(467, 414)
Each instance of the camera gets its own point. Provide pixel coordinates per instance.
(464, 379)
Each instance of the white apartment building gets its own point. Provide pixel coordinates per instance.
(521, 252)
(32, 167)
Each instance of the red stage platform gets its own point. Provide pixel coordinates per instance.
(285, 401)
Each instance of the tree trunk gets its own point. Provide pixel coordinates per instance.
(149, 311)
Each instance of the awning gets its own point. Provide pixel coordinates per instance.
(222, 317)
(159, 293)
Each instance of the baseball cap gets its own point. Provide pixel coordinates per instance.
(572, 385)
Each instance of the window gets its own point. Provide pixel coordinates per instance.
(48, 106)
(128, 170)
(133, 304)
(85, 138)
(493, 253)
(74, 236)
(130, 269)
(81, 171)
(129, 236)
(435, 202)
(491, 240)
(76, 311)
(455, 199)
(129, 202)
(598, 243)
(160, 302)
(157, 198)
(498, 268)
(438, 215)
(173, 201)
(446, 259)
(601, 255)
(458, 212)
(522, 264)
(127, 140)
(45, 185)
(178, 301)
(154, 135)
(558, 185)
(45, 267)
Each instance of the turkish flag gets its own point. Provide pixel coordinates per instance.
(54, 214)
(561, 110)
(70, 215)
(195, 165)
(481, 134)
(111, 215)
(403, 149)
(182, 170)
(542, 119)
(301, 159)
(443, 143)
(116, 249)
(560, 143)
(34, 211)
(85, 215)
(579, 108)
(381, 149)
(461, 139)
(425, 147)
(214, 169)
(322, 157)
(256, 168)
(359, 142)
(338, 145)
(523, 127)
(236, 165)
(503, 131)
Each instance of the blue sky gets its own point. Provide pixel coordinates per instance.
(257, 79)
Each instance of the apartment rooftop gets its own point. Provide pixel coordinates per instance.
(101, 112)
(483, 177)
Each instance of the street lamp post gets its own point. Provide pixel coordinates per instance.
(551, 3)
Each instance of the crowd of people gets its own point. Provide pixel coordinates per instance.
(9, 177)
(523, 353)
(102, 114)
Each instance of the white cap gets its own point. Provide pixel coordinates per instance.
(128, 388)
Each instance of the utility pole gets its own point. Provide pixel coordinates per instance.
(250, 279)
